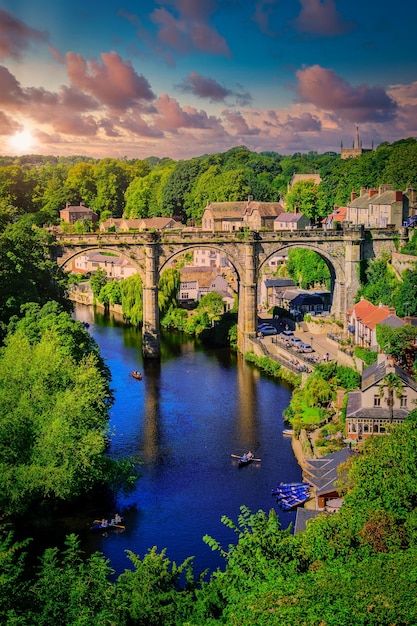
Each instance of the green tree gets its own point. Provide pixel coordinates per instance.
(169, 286)
(81, 185)
(110, 293)
(393, 386)
(303, 198)
(212, 303)
(98, 280)
(132, 299)
(26, 271)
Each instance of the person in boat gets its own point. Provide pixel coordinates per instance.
(117, 519)
(249, 455)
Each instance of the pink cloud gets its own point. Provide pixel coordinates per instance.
(15, 36)
(8, 126)
(191, 29)
(206, 87)
(320, 17)
(113, 82)
(326, 90)
(174, 117)
(239, 124)
(11, 91)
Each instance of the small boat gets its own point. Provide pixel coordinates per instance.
(288, 432)
(103, 525)
(245, 459)
(136, 375)
(290, 503)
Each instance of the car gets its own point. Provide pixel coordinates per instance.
(268, 330)
(306, 347)
(287, 333)
(264, 325)
(296, 341)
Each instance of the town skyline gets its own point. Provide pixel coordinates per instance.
(182, 78)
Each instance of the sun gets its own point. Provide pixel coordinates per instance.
(21, 141)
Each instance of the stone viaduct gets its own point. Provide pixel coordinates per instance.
(151, 252)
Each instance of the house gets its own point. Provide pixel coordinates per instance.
(323, 473)
(204, 257)
(270, 288)
(72, 213)
(368, 410)
(291, 221)
(338, 216)
(140, 223)
(306, 303)
(116, 267)
(233, 216)
(198, 281)
(378, 207)
(363, 318)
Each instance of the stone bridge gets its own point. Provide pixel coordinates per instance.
(248, 252)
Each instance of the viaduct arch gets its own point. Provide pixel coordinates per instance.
(151, 252)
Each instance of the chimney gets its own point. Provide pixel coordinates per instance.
(250, 198)
(398, 196)
(372, 192)
(383, 188)
(353, 195)
(364, 191)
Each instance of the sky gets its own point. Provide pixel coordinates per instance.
(183, 78)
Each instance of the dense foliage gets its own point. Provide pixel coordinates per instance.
(353, 567)
(55, 396)
(150, 187)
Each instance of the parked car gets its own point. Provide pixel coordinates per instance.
(287, 333)
(296, 341)
(306, 347)
(268, 330)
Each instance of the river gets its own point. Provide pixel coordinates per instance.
(192, 409)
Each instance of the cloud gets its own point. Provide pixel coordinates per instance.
(189, 30)
(114, 82)
(326, 90)
(173, 117)
(15, 36)
(206, 87)
(239, 124)
(11, 91)
(320, 17)
(263, 11)
(304, 123)
(8, 126)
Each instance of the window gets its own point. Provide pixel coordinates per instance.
(377, 401)
(403, 401)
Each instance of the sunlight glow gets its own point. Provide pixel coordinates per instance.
(21, 141)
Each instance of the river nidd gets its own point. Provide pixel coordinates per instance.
(192, 409)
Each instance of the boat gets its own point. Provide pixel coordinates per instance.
(245, 459)
(136, 375)
(103, 525)
(290, 503)
(288, 432)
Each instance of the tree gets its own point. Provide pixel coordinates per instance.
(212, 303)
(26, 272)
(303, 198)
(98, 280)
(110, 293)
(392, 384)
(169, 286)
(132, 299)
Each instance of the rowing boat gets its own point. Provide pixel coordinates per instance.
(104, 524)
(245, 459)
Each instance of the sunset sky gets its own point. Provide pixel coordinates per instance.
(182, 78)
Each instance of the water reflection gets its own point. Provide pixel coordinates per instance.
(189, 413)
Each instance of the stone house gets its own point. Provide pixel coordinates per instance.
(233, 216)
(116, 267)
(378, 207)
(140, 223)
(199, 281)
(73, 213)
(291, 221)
(368, 411)
(323, 474)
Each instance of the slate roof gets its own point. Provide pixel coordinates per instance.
(373, 374)
(302, 517)
(354, 409)
(289, 217)
(322, 473)
(307, 298)
(265, 209)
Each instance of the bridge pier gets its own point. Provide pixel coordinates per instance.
(247, 313)
(151, 338)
